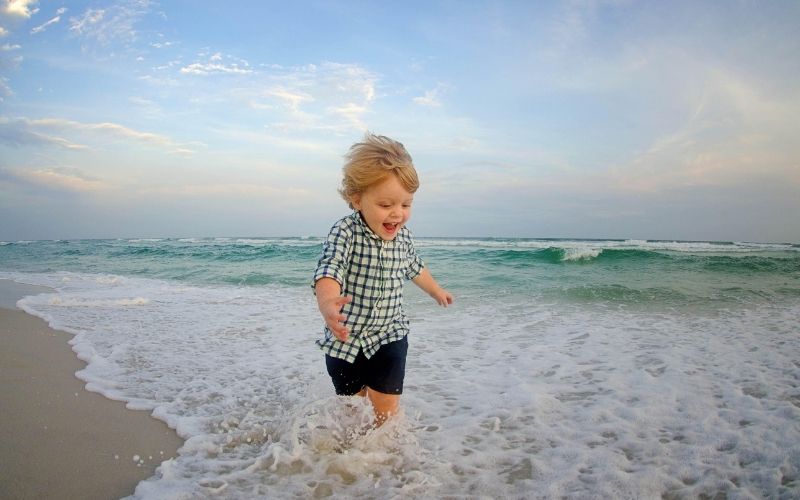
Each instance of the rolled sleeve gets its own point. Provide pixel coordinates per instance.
(335, 256)
(415, 263)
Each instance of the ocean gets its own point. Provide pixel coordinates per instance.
(565, 368)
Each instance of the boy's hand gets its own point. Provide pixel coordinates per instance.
(332, 314)
(442, 297)
(425, 281)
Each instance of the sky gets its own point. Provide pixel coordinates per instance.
(565, 119)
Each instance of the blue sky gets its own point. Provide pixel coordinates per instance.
(589, 119)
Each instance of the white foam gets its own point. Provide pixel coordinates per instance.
(508, 399)
(257, 242)
(81, 302)
(697, 247)
(277, 242)
(581, 253)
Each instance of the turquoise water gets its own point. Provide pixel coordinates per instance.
(565, 368)
(611, 272)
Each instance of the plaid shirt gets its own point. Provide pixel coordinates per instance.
(372, 271)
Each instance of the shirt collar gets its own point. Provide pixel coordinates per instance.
(369, 232)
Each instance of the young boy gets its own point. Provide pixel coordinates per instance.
(358, 282)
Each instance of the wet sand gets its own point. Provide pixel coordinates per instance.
(58, 440)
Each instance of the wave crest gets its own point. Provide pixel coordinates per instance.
(580, 253)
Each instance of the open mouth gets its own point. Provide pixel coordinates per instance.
(390, 227)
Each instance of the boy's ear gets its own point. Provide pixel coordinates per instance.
(355, 200)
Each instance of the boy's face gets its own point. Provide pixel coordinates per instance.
(386, 207)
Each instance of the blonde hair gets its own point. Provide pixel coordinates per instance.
(372, 161)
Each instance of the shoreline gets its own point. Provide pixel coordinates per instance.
(58, 440)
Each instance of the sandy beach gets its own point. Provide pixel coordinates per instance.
(58, 440)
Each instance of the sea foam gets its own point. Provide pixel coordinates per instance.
(504, 398)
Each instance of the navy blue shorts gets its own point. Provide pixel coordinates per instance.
(383, 372)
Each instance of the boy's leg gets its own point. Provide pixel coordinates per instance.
(385, 405)
(384, 379)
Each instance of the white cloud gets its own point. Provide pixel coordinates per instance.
(3, 32)
(213, 68)
(55, 20)
(736, 132)
(330, 96)
(25, 131)
(5, 90)
(431, 98)
(230, 190)
(21, 133)
(352, 113)
(58, 178)
(217, 65)
(147, 106)
(87, 23)
(19, 8)
(293, 99)
(115, 23)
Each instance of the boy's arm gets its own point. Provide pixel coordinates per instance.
(330, 275)
(330, 304)
(425, 281)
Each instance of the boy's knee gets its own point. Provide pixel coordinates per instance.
(384, 404)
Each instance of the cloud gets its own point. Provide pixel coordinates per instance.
(736, 131)
(330, 97)
(352, 113)
(108, 129)
(430, 98)
(291, 98)
(213, 68)
(20, 133)
(87, 22)
(24, 131)
(216, 65)
(55, 20)
(286, 141)
(115, 23)
(8, 62)
(229, 190)
(19, 8)
(53, 179)
(5, 90)
(146, 106)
